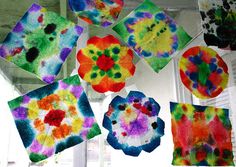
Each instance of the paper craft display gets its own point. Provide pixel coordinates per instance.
(105, 64)
(202, 135)
(219, 22)
(40, 42)
(54, 118)
(98, 12)
(133, 123)
(152, 34)
(203, 72)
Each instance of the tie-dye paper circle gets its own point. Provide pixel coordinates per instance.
(105, 64)
(203, 72)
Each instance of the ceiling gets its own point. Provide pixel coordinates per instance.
(12, 10)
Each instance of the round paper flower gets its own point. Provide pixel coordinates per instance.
(105, 64)
(203, 72)
(133, 123)
(152, 34)
(98, 12)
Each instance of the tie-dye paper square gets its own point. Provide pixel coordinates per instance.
(54, 118)
(97, 12)
(201, 135)
(152, 34)
(40, 42)
(219, 22)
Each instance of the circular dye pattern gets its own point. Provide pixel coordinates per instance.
(105, 64)
(98, 12)
(203, 72)
(133, 123)
(219, 22)
(152, 34)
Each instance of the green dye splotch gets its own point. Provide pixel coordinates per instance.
(37, 157)
(204, 72)
(38, 39)
(94, 131)
(157, 63)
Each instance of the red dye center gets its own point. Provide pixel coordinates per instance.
(40, 19)
(105, 63)
(54, 117)
(201, 155)
(124, 134)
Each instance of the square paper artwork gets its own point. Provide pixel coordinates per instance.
(54, 118)
(202, 135)
(40, 42)
(152, 34)
(97, 12)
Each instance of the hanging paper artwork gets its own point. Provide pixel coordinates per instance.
(152, 34)
(219, 22)
(133, 123)
(98, 12)
(54, 118)
(105, 64)
(40, 42)
(201, 135)
(203, 72)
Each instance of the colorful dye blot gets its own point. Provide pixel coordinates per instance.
(98, 12)
(152, 34)
(133, 124)
(105, 64)
(54, 118)
(201, 135)
(203, 72)
(40, 42)
(219, 22)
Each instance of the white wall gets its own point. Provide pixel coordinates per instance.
(12, 148)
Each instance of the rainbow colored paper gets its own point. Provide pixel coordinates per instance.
(133, 123)
(105, 64)
(98, 12)
(201, 135)
(203, 72)
(54, 118)
(219, 22)
(40, 42)
(152, 34)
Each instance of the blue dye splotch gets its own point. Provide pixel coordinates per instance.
(26, 132)
(84, 106)
(44, 91)
(73, 140)
(77, 5)
(60, 147)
